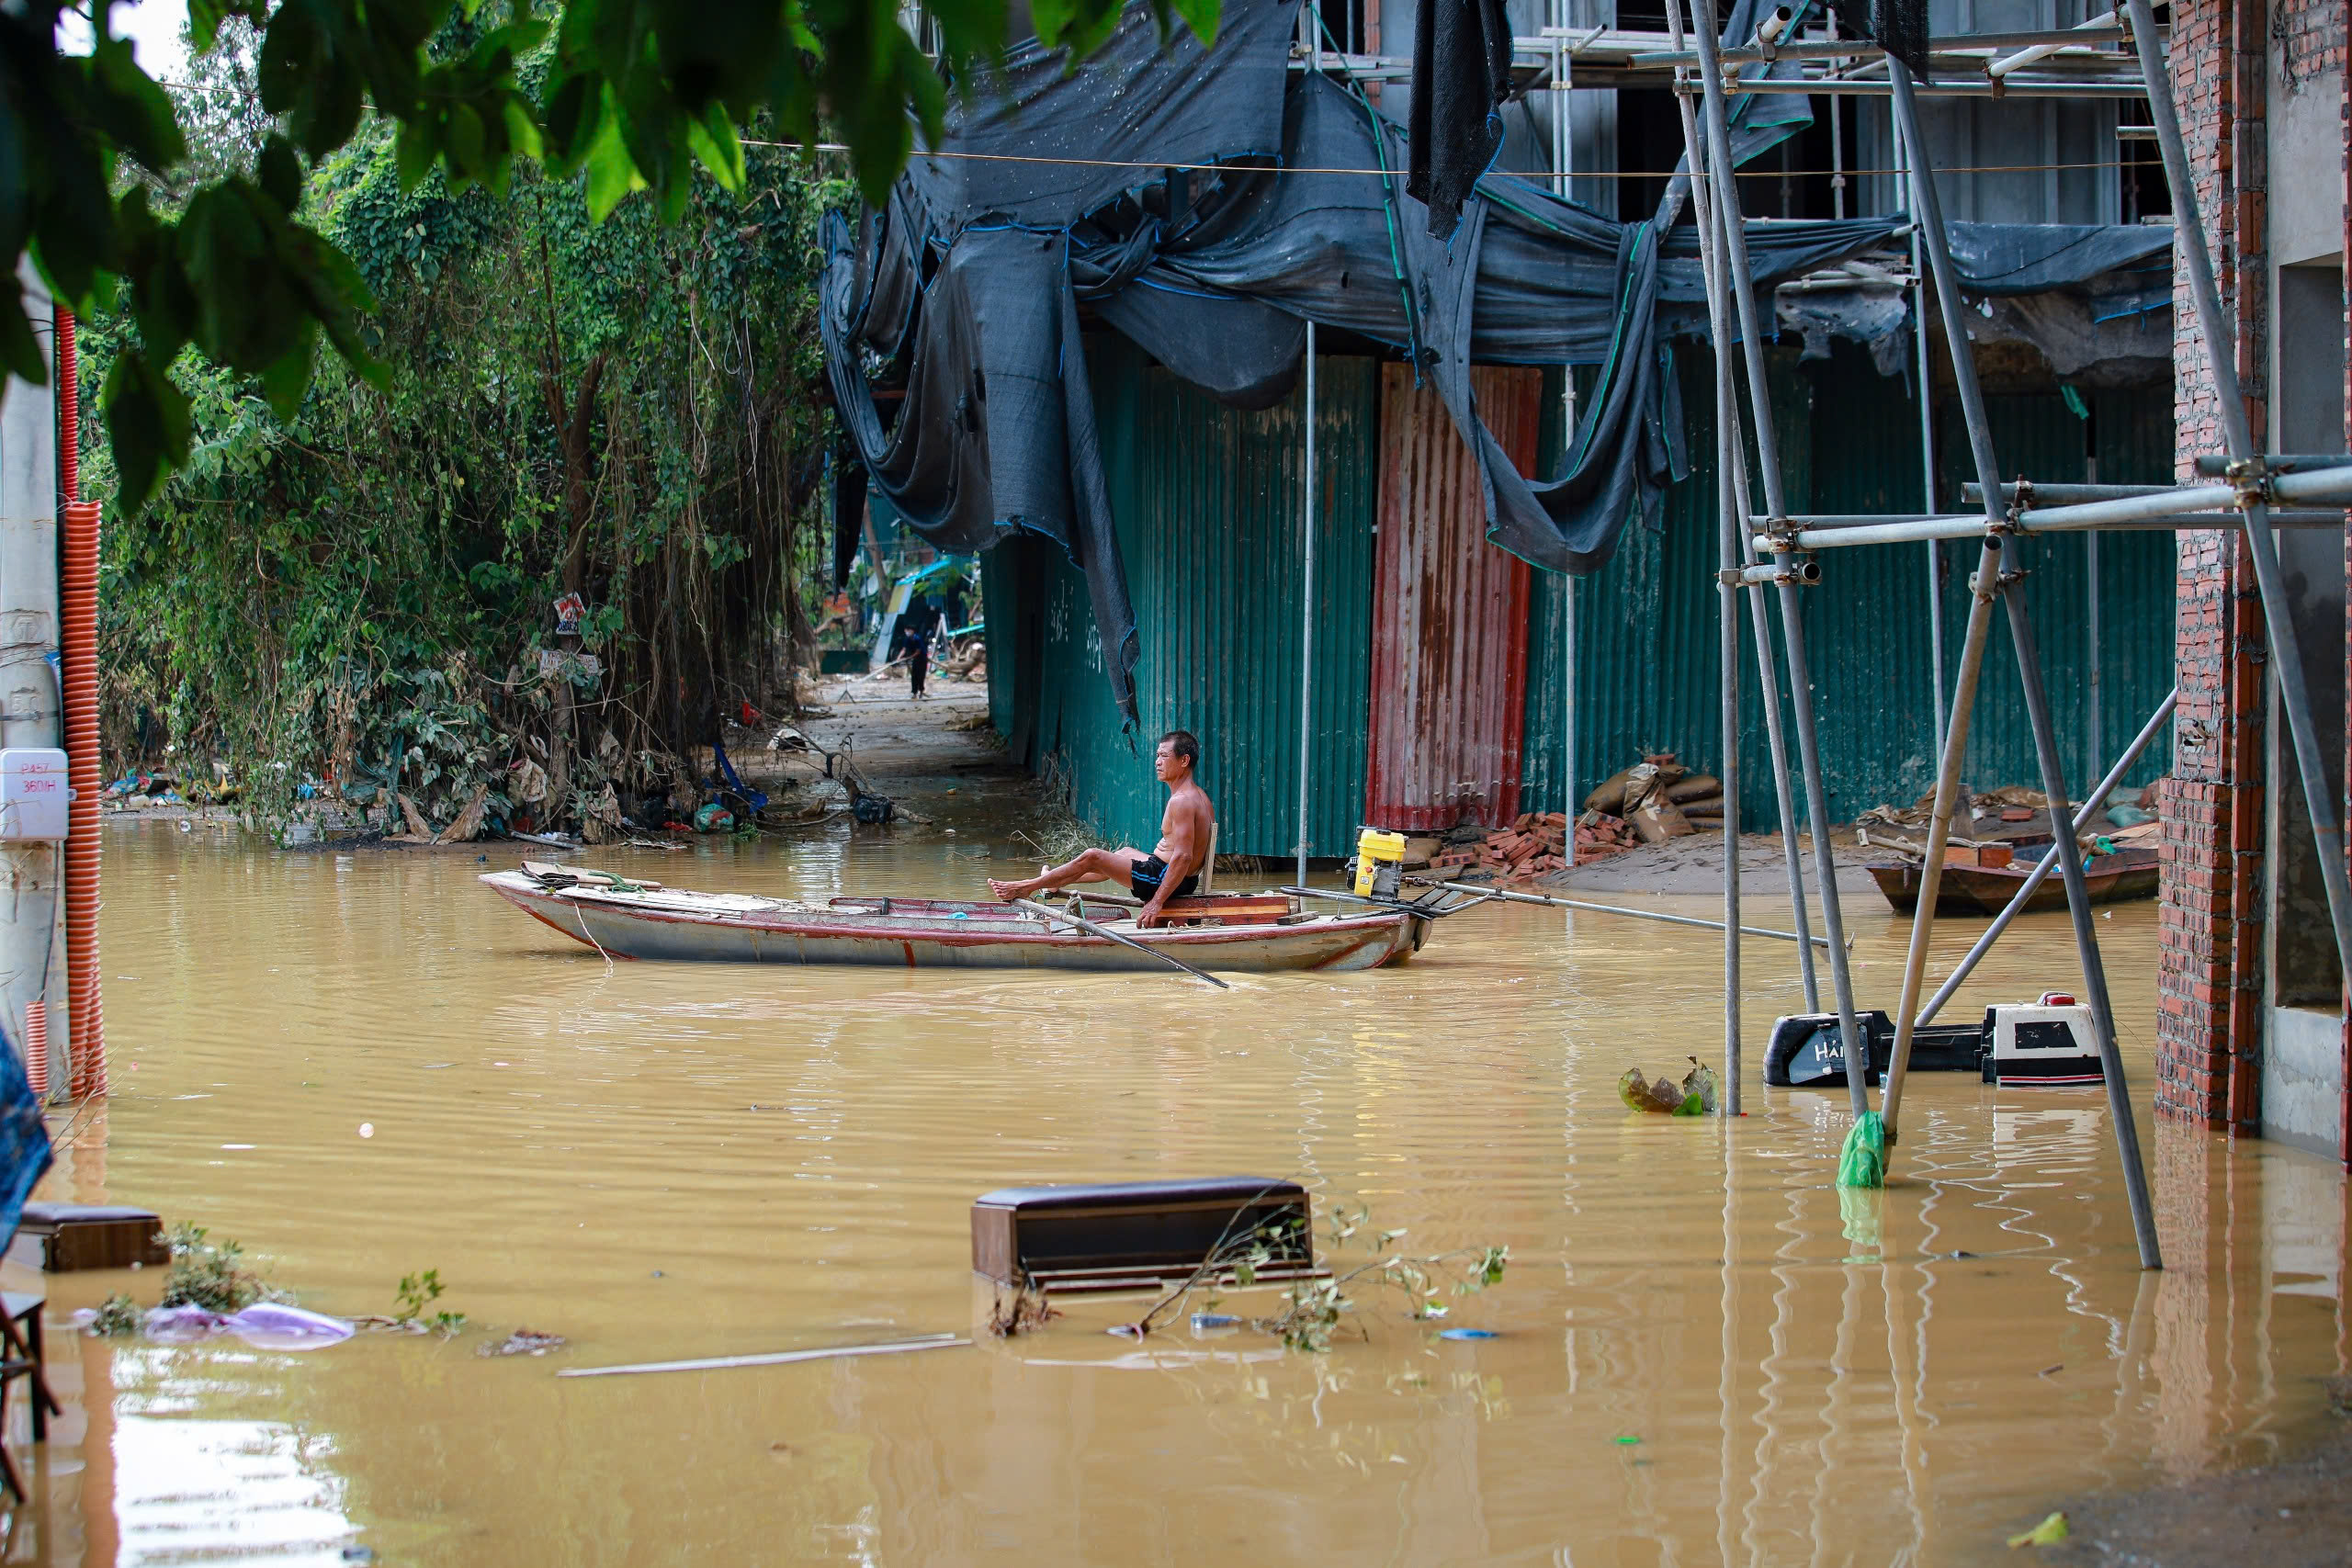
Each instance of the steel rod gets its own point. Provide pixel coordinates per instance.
(2275, 463)
(1767, 459)
(1983, 589)
(1622, 909)
(2078, 906)
(1853, 87)
(1730, 511)
(1927, 207)
(1863, 49)
(2016, 906)
(1307, 617)
(1926, 444)
(1731, 460)
(2286, 656)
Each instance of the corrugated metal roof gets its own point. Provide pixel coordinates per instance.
(1449, 622)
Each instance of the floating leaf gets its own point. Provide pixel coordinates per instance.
(2049, 1532)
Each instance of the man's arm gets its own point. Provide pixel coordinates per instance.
(1178, 830)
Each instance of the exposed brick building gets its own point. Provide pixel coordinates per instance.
(2251, 1032)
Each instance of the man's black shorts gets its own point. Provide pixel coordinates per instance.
(1145, 876)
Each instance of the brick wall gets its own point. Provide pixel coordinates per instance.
(2210, 983)
(2210, 942)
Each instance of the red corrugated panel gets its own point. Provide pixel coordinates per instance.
(1449, 620)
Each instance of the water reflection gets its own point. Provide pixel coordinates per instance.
(1706, 1355)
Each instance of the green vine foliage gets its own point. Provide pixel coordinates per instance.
(354, 594)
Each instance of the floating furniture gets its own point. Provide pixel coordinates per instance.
(1131, 1235)
(64, 1239)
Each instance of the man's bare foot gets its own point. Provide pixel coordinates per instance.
(1009, 891)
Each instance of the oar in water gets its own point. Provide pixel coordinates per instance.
(1090, 929)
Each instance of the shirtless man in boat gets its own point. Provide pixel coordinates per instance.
(1172, 870)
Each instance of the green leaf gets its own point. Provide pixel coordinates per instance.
(1201, 17)
(612, 174)
(714, 144)
(286, 379)
(131, 108)
(413, 153)
(2049, 1532)
(147, 424)
(280, 174)
(465, 144)
(20, 352)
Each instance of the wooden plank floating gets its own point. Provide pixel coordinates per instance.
(770, 1358)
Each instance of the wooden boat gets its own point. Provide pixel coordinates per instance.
(642, 920)
(1986, 890)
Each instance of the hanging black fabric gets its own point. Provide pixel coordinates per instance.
(1898, 27)
(1461, 81)
(962, 297)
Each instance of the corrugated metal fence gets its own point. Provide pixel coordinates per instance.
(1646, 627)
(1208, 499)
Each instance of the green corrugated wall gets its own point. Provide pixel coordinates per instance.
(1207, 505)
(1207, 502)
(1647, 623)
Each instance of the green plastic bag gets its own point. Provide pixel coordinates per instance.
(1863, 1163)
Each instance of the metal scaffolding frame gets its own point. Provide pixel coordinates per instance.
(2249, 485)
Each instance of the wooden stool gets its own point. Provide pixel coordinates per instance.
(20, 1330)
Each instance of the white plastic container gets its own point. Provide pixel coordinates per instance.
(33, 796)
(2045, 1045)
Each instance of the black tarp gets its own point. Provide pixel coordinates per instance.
(1461, 81)
(962, 296)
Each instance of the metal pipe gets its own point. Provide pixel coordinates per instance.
(1927, 442)
(2217, 467)
(1730, 511)
(2089, 809)
(1734, 267)
(1863, 49)
(1307, 617)
(1983, 588)
(2078, 905)
(1806, 572)
(2002, 67)
(2286, 657)
(1928, 209)
(2095, 722)
(1852, 87)
(1807, 532)
(1732, 463)
(2034, 493)
(1622, 909)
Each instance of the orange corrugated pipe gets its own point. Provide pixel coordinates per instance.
(78, 656)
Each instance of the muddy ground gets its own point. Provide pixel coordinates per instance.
(2294, 1514)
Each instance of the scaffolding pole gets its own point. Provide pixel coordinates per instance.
(2010, 581)
(1733, 262)
(2214, 332)
(1731, 462)
(1731, 510)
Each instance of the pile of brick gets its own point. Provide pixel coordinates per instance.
(1535, 845)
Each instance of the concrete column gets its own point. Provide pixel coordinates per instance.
(32, 922)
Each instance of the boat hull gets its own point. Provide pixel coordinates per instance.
(674, 927)
(1982, 890)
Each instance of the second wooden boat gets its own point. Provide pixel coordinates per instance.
(1986, 890)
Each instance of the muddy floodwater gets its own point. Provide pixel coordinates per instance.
(364, 1066)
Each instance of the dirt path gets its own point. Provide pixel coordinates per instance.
(1695, 864)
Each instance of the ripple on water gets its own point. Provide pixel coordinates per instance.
(1702, 1340)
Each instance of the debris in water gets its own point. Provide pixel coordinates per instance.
(524, 1342)
(1694, 1096)
(367, 1129)
(1467, 1333)
(771, 1358)
(1205, 1320)
(2049, 1532)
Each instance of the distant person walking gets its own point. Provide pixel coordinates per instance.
(917, 647)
